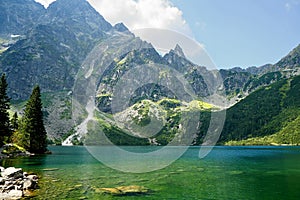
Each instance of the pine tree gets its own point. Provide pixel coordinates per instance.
(33, 124)
(4, 107)
(14, 122)
(21, 137)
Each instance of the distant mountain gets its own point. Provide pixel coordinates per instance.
(269, 115)
(240, 82)
(291, 62)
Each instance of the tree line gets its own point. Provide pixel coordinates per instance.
(27, 131)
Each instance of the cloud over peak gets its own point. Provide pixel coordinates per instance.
(137, 14)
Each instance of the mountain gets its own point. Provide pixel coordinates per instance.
(50, 53)
(269, 115)
(53, 49)
(78, 17)
(240, 82)
(203, 81)
(144, 55)
(291, 62)
(18, 16)
(71, 42)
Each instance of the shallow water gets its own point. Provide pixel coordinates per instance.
(226, 173)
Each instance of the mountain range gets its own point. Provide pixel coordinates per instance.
(50, 46)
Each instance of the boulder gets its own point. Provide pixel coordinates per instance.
(25, 174)
(12, 194)
(29, 184)
(112, 191)
(33, 177)
(15, 184)
(12, 172)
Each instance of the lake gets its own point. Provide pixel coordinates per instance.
(226, 173)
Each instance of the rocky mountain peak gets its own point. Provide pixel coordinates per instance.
(78, 13)
(178, 50)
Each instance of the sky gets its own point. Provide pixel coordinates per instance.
(234, 33)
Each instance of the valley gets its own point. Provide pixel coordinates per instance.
(262, 103)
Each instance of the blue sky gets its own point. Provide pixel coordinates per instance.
(243, 32)
(234, 33)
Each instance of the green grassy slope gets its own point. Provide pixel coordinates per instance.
(269, 115)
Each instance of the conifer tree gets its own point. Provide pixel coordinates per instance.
(33, 124)
(14, 122)
(4, 107)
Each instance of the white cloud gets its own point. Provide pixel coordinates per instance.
(137, 14)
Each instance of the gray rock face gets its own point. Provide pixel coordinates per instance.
(17, 17)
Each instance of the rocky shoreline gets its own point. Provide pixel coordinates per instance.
(15, 183)
(12, 150)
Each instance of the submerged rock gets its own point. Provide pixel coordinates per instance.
(112, 191)
(124, 190)
(50, 169)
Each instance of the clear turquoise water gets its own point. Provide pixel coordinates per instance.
(226, 173)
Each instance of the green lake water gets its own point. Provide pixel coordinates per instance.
(226, 173)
